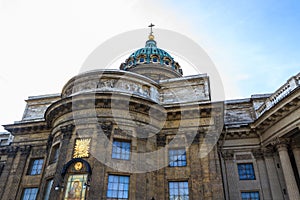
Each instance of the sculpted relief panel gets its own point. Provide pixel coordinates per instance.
(113, 85)
(172, 90)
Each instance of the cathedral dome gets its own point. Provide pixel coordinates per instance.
(151, 54)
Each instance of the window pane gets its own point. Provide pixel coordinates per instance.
(121, 150)
(246, 171)
(36, 166)
(29, 193)
(54, 153)
(178, 190)
(250, 195)
(117, 187)
(177, 157)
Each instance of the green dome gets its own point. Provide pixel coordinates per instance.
(150, 54)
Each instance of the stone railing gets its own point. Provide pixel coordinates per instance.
(283, 91)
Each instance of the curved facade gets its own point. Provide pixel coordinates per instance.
(147, 132)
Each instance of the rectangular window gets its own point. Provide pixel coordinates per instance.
(177, 157)
(246, 171)
(118, 187)
(179, 190)
(54, 154)
(121, 150)
(29, 193)
(36, 166)
(250, 195)
(48, 189)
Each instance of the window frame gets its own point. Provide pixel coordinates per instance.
(246, 176)
(250, 192)
(171, 162)
(55, 151)
(114, 155)
(29, 188)
(117, 191)
(32, 164)
(178, 189)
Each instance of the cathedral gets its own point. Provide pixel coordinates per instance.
(146, 132)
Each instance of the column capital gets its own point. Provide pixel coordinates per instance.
(281, 143)
(11, 151)
(258, 153)
(228, 154)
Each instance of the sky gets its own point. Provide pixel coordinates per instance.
(255, 45)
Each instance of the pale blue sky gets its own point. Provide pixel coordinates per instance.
(255, 43)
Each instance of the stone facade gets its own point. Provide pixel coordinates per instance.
(231, 149)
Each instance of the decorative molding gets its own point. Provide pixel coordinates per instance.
(87, 168)
(113, 85)
(227, 154)
(38, 152)
(25, 150)
(245, 156)
(258, 153)
(280, 143)
(11, 151)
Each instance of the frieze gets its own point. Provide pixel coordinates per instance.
(113, 85)
(108, 83)
(38, 152)
(258, 153)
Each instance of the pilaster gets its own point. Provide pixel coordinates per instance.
(295, 145)
(66, 132)
(11, 154)
(289, 177)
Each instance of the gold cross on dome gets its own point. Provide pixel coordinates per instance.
(151, 25)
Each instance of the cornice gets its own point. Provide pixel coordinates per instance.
(27, 127)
